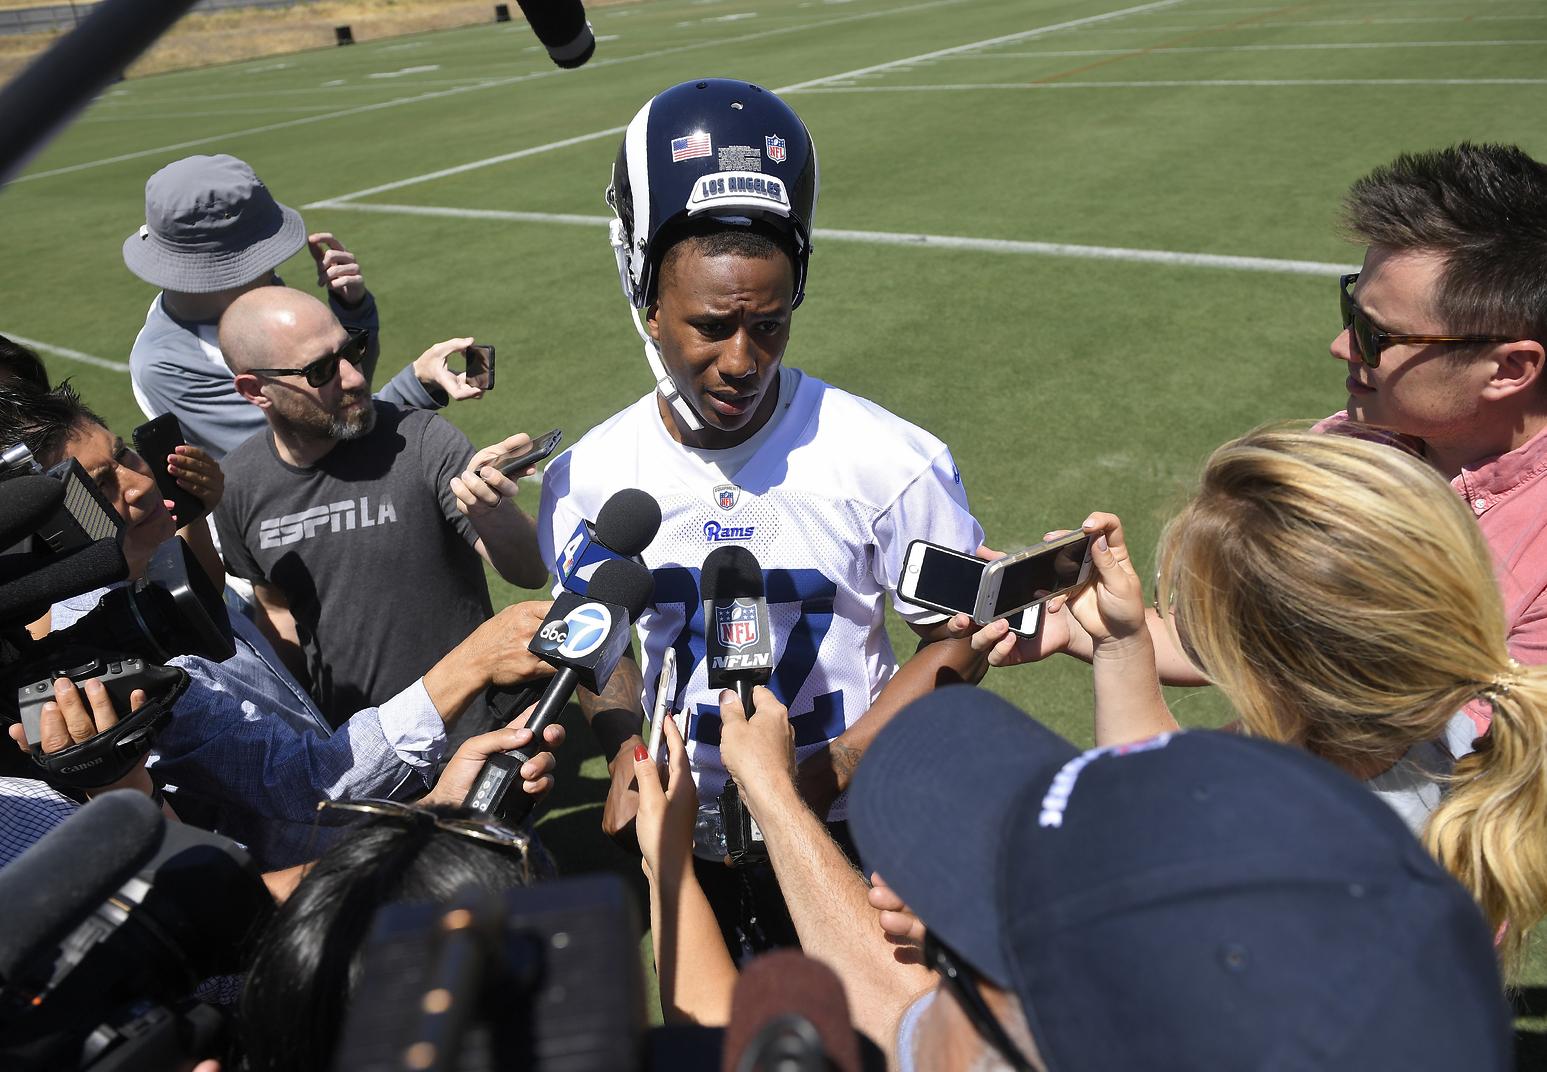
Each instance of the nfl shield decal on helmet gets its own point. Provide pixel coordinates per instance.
(776, 146)
(726, 496)
(737, 623)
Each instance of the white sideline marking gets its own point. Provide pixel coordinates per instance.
(889, 238)
(492, 84)
(966, 87)
(1330, 46)
(796, 88)
(66, 352)
(424, 68)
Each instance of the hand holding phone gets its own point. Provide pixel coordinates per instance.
(479, 368)
(154, 441)
(949, 581)
(665, 691)
(514, 464)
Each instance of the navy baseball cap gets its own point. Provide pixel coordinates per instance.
(1199, 900)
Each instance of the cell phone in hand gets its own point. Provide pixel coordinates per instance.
(665, 690)
(1030, 578)
(480, 366)
(947, 580)
(153, 441)
(516, 463)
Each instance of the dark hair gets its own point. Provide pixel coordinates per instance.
(43, 420)
(1483, 208)
(715, 238)
(308, 962)
(19, 363)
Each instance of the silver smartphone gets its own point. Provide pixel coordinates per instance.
(947, 580)
(1030, 578)
(665, 689)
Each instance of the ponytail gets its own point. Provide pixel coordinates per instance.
(1490, 830)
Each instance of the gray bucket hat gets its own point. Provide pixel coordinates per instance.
(210, 224)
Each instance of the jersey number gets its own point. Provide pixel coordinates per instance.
(815, 594)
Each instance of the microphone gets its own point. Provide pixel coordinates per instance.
(49, 888)
(738, 643)
(624, 527)
(789, 1014)
(584, 637)
(562, 28)
(26, 503)
(53, 578)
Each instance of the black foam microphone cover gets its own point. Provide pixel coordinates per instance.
(94, 566)
(731, 572)
(71, 870)
(789, 1013)
(562, 28)
(623, 583)
(627, 522)
(25, 503)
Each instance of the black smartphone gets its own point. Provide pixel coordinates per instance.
(153, 441)
(513, 465)
(480, 366)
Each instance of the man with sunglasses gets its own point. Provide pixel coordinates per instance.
(363, 527)
(1444, 336)
(212, 232)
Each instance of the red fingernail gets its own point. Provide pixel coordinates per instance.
(641, 753)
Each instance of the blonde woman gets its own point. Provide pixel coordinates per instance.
(1342, 597)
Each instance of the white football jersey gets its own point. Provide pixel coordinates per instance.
(827, 501)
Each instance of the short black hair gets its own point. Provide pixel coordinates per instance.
(17, 362)
(44, 420)
(711, 237)
(1483, 208)
(309, 959)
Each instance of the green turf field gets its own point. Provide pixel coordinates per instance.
(1131, 210)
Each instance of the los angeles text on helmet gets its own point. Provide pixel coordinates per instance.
(743, 184)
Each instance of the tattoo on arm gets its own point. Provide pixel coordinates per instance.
(844, 760)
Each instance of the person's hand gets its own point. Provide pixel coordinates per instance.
(482, 488)
(198, 474)
(76, 715)
(667, 813)
(623, 795)
(337, 269)
(432, 368)
(1111, 607)
(758, 752)
(462, 770)
(500, 644)
(896, 918)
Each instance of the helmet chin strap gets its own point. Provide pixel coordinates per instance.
(663, 381)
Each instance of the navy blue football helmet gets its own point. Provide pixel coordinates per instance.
(711, 148)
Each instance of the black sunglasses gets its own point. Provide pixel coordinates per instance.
(490, 833)
(322, 370)
(1370, 340)
(960, 982)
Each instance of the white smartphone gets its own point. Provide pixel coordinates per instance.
(948, 581)
(1030, 578)
(665, 687)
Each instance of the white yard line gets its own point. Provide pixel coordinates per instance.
(1383, 46)
(417, 98)
(917, 241)
(968, 87)
(489, 161)
(67, 353)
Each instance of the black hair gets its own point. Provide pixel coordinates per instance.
(711, 237)
(308, 961)
(1483, 208)
(42, 419)
(19, 363)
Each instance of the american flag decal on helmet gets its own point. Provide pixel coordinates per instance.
(690, 147)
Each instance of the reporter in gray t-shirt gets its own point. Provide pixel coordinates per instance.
(361, 525)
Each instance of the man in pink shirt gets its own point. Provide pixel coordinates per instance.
(1443, 333)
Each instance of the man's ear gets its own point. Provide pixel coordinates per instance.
(1520, 367)
(651, 324)
(250, 387)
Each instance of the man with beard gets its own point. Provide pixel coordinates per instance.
(362, 526)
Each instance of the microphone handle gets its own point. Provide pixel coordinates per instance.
(498, 791)
(743, 688)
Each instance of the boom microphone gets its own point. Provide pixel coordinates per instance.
(789, 1014)
(26, 502)
(738, 643)
(583, 637)
(624, 527)
(52, 578)
(562, 28)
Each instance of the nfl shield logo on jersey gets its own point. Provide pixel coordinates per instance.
(737, 624)
(726, 496)
(776, 146)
